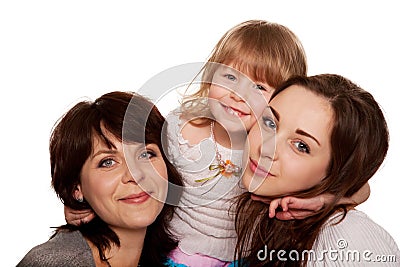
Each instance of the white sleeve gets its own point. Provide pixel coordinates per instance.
(355, 241)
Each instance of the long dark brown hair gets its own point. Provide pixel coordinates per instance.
(359, 142)
(123, 114)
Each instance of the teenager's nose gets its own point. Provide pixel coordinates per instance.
(268, 147)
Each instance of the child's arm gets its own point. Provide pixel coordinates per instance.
(77, 217)
(300, 208)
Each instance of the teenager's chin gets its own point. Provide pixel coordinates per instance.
(256, 185)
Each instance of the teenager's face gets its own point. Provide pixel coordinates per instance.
(289, 149)
(235, 101)
(120, 197)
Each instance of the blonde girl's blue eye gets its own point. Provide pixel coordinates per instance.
(107, 163)
(269, 122)
(260, 87)
(230, 77)
(263, 87)
(302, 147)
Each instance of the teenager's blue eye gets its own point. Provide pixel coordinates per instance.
(301, 146)
(148, 154)
(269, 122)
(230, 77)
(107, 163)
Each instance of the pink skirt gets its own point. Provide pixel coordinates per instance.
(196, 260)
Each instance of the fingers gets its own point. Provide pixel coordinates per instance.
(292, 207)
(74, 220)
(296, 203)
(284, 215)
(293, 214)
(82, 218)
(273, 206)
(77, 217)
(308, 204)
(285, 202)
(89, 217)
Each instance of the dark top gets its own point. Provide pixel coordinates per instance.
(66, 249)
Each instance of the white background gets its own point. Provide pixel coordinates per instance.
(54, 53)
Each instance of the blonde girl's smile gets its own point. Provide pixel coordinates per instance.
(234, 111)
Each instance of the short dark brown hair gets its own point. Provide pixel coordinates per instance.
(129, 117)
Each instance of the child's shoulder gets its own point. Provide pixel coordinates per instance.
(195, 132)
(191, 130)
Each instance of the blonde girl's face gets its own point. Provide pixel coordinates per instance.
(126, 185)
(236, 101)
(289, 150)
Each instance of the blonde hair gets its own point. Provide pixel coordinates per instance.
(265, 51)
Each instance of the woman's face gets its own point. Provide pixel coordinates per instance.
(289, 149)
(125, 190)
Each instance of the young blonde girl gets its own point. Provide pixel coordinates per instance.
(207, 134)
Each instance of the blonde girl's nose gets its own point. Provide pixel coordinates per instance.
(234, 95)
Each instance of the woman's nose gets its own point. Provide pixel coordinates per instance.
(132, 175)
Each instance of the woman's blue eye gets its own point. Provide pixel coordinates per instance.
(269, 122)
(107, 163)
(302, 147)
(230, 77)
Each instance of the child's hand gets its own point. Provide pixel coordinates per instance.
(293, 207)
(77, 217)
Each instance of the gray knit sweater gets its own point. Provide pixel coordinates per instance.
(66, 249)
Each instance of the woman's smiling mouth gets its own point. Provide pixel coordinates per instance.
(135, 198)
